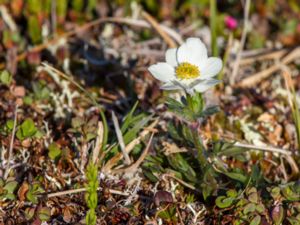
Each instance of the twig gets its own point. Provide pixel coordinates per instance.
(263, 56)
(75, 191)
(258, 77)
(120, 139)
(263, 148)
(159, 30)
(11, 146)
(242, 42)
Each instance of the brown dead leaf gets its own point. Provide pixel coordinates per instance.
(22, 191)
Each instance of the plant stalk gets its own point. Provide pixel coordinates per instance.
(213, 27)
(199, 147)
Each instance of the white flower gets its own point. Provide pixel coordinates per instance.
(188, 67)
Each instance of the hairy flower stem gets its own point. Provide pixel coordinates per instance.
(196, 105)
(200, 149)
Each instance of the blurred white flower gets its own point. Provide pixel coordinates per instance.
(188, 67)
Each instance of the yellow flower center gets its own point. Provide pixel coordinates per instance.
(187, 71)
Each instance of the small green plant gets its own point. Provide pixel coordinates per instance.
(91, 196)
(5, 77)
(7, 189)
(27, 130)
(54, 151)
(188, 68)
(34, 191)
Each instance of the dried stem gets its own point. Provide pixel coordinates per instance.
(11, 146)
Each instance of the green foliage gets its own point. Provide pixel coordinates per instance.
(54, 151)
(5, 77)
(91, 196)
(61, 6)
(27, 129)
(7, 189)
(228, 200)
(77, 5)
(153, 165)
(34, 29)
(179, 164)
(44, 213)
(91, 6)
(84, 128)
(41, 90)
(169, 214)
(33, 192)
(131, 126)
(191, 108)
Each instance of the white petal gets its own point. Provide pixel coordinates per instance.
(192, 51)
(162, 71)
(171, 57)
(212, 67)
(205, 85)
(170, 86)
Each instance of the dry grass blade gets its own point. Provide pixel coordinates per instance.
(120, 139)
(114, 160)
(263, 148)
(132, 169)
(159, 30)
(11, 145)
(179, 181)
(274, 55)
(258, 77)
(75, 191)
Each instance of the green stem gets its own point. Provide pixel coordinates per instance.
(200, 148)
(196, 104)
(213, 27)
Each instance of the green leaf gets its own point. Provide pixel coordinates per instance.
(44, 214)
(277, 214)
(180, 164)
(237, 176)
(224, 202)
(260, 208)
(5, 77)
(10, 196)
(253, 197)
(54, 151)
(209, 111)
(29, 213)
(289, 194)
(256, 220)
(250, 207)
(11, 186)
(31, 197)
(9, 124)
(293, 220)
(150, 176)
(27, 129)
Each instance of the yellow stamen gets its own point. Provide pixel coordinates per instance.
(187, 71)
